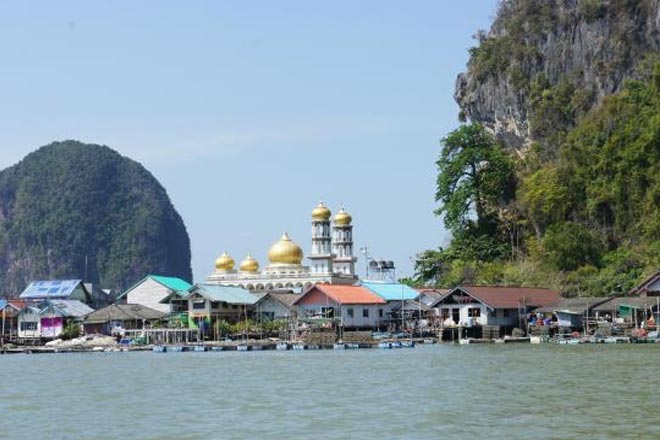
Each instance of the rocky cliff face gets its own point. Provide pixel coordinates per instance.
(544, 63)
(72, 210)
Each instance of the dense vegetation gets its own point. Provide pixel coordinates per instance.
(71, 210)
(580, 212)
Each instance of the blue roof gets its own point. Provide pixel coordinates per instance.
(228, 294)
(50, 289)
(390, 291)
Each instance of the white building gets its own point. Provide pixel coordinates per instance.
(152, 289)
(350, 306)
(331, 259)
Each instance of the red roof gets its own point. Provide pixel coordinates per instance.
(345, 294)
(512, 297)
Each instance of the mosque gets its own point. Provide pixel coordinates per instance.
(331, 259)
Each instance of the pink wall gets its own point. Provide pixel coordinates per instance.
(315, 298)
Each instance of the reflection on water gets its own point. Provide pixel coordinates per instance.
(429, 392)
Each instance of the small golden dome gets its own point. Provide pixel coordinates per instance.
(249, 265)
(224, 262)
(343, 218)
(285, 252)
(321, 213)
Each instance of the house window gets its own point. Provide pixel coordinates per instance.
(328, 312)
(197, 305)
(27, 326)
(215, 305)
(444, 314)
(365, 313)
(505, 313)
(349, 312)
(380, 313)
(474, 313)
(234, 306)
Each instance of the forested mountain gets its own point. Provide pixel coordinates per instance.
(73, 210)
(554, 179)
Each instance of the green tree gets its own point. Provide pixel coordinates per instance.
(571, 245)
(474, 177)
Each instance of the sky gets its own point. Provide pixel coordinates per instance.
(251, 112)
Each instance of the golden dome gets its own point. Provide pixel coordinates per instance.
(285, 252)
(321, 212)
(224, 262)
(343, 218)
(249, 265)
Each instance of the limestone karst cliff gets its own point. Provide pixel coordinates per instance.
(73, 210)
(545, 63)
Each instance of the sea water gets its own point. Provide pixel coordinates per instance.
(428, 392)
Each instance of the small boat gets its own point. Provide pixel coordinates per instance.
(159, 349)
(464, 342)
(217, 348)
(282, 346)
(257, 347)
(339, 347)
(175, 348)
(199, 348)
(242, 347)
(298, 347)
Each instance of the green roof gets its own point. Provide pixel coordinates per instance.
(172, 283)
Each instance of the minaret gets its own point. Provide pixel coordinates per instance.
(342, 244)
(321, 255)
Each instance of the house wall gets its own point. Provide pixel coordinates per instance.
(277, 309)
(464, 313)
(51, 325)
(315, 297)
(214, 308)
(149, 293)
(358, 319)
(79, 294)
(29, 316)
(503, 317)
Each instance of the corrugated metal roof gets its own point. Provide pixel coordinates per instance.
(509, 297)
(123, 312)
(390, 291)
(411, 306)
(50, 289)
(640, 302)
(71, 307)
(576, 306)
(429, 296)
(172, 282)
(349, 294)
(228, 294)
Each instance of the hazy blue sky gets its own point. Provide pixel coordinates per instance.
(250, 112)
